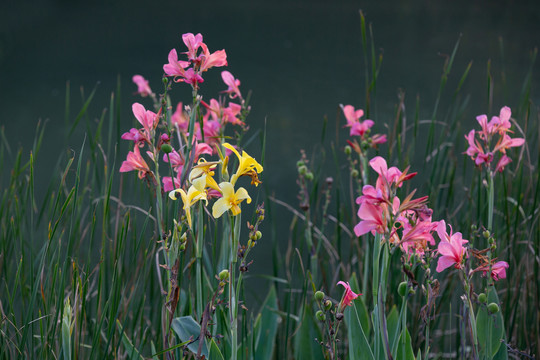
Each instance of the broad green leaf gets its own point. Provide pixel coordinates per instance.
(358, 344)
(215, 353)
(405, 350)
(188, 329)
(306, 347)
(266, 327)
(487, 324)
(392, 324)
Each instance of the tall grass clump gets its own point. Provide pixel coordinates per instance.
(415, 238)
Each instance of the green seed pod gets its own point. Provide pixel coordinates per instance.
(402, 288)
(320, 315)
(309, 176)
(319, 295)
(182, 246)
(486, 234)
(355, 173)
(327, 305)
(493, 308)
(258, 235)
(482, 298)
(302, 170)
(299, 163)
(348, 150)
(166, 148)
(224, 274)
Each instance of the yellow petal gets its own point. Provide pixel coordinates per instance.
(220, 206)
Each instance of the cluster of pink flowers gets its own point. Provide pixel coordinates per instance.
(199, 60)
(405, 223)
(361, 128)
(481, 149)
(216, 114)
(408, 224)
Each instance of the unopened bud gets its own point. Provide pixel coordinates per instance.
(166, 148)
(319, 295)
(224, 274)
(493, 308)
(486, 234)
(402, 288)
(182, 246)
(482, 298)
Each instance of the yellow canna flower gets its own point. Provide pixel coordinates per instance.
(196, 192)
(204, 167)
(247, 166)
(230, 201)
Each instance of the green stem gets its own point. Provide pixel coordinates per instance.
(491, 198)
(199, 248)
(472, 318)
(233, 293)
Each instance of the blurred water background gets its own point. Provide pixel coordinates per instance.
(301, 59)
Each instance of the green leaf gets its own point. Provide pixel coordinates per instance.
(305, 346)
(266, 327)
(357, 321)
(487, 324)
(215, 353)
(188, 329)
(392, 323)
(133, 353)
(358, 344)
(405, 350)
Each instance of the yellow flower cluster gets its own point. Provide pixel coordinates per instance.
(201, 180)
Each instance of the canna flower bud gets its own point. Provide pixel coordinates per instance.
(493, 308)
(482, 298)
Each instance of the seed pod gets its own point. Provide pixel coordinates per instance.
(319, 295)
(482, 298)
(402, 288)
(493, 308)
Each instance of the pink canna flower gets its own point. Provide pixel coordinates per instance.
(148, 119)
(135, 161)
(193, 42)
(503, 161)
(168, 182)
(348, 296)
(450, 248)
(174, 67)
(143, 88)
(216, 59)
(498, 270)
(358, 128)
(232, 83)
(481, 150)
(135, 135)
(177, 161)
(372, 220)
